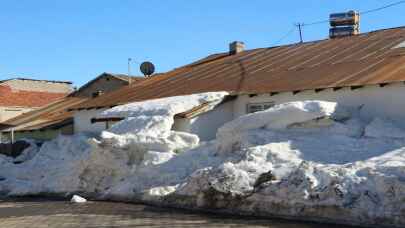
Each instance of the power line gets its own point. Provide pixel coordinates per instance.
(382, 7)
(315, 23)
(361, 13)
(301, 25)
(286, 35)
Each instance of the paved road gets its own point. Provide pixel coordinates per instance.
(59, 214)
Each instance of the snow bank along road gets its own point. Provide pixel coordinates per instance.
(310, 160)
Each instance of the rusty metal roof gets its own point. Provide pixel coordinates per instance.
(44, 117)
(365, 59)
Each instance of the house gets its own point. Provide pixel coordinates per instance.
(53, 119)
(19, 95)
(104, 83)
(366, 70)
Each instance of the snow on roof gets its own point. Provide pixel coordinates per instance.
(157, 115)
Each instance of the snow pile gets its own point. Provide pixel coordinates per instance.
(384, 128)
(147, 125)
(308, 160)
(55, 168)
(156, 117)
(277, 118)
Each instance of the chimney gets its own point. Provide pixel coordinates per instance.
(344, 24)
(236, 47)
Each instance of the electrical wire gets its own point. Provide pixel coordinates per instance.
(361, 13)
(315, 23)
(382, 7)
(327, 21)
(293, 29)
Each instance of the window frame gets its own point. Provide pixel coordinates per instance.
(261, 104)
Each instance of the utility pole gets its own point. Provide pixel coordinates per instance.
(299, 25)
(129, 66)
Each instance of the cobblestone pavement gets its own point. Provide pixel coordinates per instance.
(35, 213)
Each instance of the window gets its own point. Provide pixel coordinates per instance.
(257, 107)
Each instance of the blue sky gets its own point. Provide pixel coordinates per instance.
(77, 40)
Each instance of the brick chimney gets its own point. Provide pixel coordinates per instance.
(236, 47)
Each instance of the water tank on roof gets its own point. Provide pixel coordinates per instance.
(343, 31)
(350, 18)
(344, 24)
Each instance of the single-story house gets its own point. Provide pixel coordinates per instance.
(53, 119)
(365, 70)
(20, 95)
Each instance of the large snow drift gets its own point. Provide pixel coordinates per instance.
(309, 160)
(147, 125)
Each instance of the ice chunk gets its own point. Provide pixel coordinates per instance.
(78, 199)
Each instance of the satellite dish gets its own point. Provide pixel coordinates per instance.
(147, 68)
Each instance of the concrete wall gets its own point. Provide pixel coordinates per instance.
(388, 101)
(11, 112)
(104, 83)
(206, 124)
(82, 121)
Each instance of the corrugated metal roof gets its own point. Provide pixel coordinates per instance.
(365, 59)
(45, 117)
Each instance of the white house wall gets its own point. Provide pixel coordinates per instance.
(82, 121)
(388, 101)
(206, 125)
